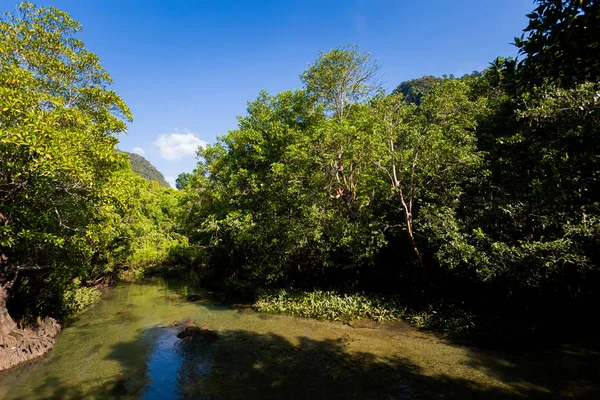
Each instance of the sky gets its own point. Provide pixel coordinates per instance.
(187, 68)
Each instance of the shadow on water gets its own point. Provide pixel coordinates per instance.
(567, 371)
(246, 365)
(152, 363)
(323, 369)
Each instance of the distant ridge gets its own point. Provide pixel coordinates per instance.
(146, 170)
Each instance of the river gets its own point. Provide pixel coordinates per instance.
(126, 347)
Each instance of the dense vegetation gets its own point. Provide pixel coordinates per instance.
(72, 213)
(146, 170)
(473, 194)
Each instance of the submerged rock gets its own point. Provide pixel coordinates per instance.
(345, 339)
(125, 316)
(196, 332)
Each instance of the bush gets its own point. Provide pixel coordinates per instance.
(76, 299)
(330, 305)
(186, 255)
(334, 306)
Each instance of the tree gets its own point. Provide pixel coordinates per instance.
(426, 153)
(414, 90)
(533, 213)
(342, 77)
(58, 124)
(562, 43)
(183, 180)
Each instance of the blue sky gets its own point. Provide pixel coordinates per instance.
(187, 68)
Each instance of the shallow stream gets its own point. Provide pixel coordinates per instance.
(126, 347)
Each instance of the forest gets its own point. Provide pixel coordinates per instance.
(465, 205)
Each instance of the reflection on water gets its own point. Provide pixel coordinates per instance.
(163, 364)
(127, 347)
(176, 367)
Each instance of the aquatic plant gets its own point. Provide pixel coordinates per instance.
(330, 305)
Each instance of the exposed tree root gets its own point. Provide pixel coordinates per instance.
(19, 345)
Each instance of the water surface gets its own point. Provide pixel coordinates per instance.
(126, 347)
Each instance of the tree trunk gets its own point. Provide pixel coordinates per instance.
(20, 345)
(409, 225)
(413, 242)
(5, 320)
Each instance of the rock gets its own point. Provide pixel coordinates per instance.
(195, 332)
(125, 316)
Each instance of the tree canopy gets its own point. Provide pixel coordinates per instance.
(474, 193)
(561, 43)
(71, 210)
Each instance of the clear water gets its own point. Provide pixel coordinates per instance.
(125, 347)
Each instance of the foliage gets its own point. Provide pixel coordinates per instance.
(539, 230)
(330, 305)
(413, 90)
(486, 181)
(293, 194)
(77, 299)
(562, 44)
(342, 77)
(262, 200)
(142, 228)
(58, 123)
(70, 207)
(335, 306)
(146, 170)
(183, 180)
(427, 153)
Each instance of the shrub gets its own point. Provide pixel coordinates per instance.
(76, 299)
(330, 305)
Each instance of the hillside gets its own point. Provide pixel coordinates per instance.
(146, 170)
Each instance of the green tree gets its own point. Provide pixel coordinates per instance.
(427, 153)
(562, 43)
(342, 77)
(414, 90)
(58, 123)
(533, 211)
(183, 180)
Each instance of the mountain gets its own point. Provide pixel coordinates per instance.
(143, 168)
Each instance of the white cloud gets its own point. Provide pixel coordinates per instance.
(138, 150)
(174, 146)
(171, 181)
